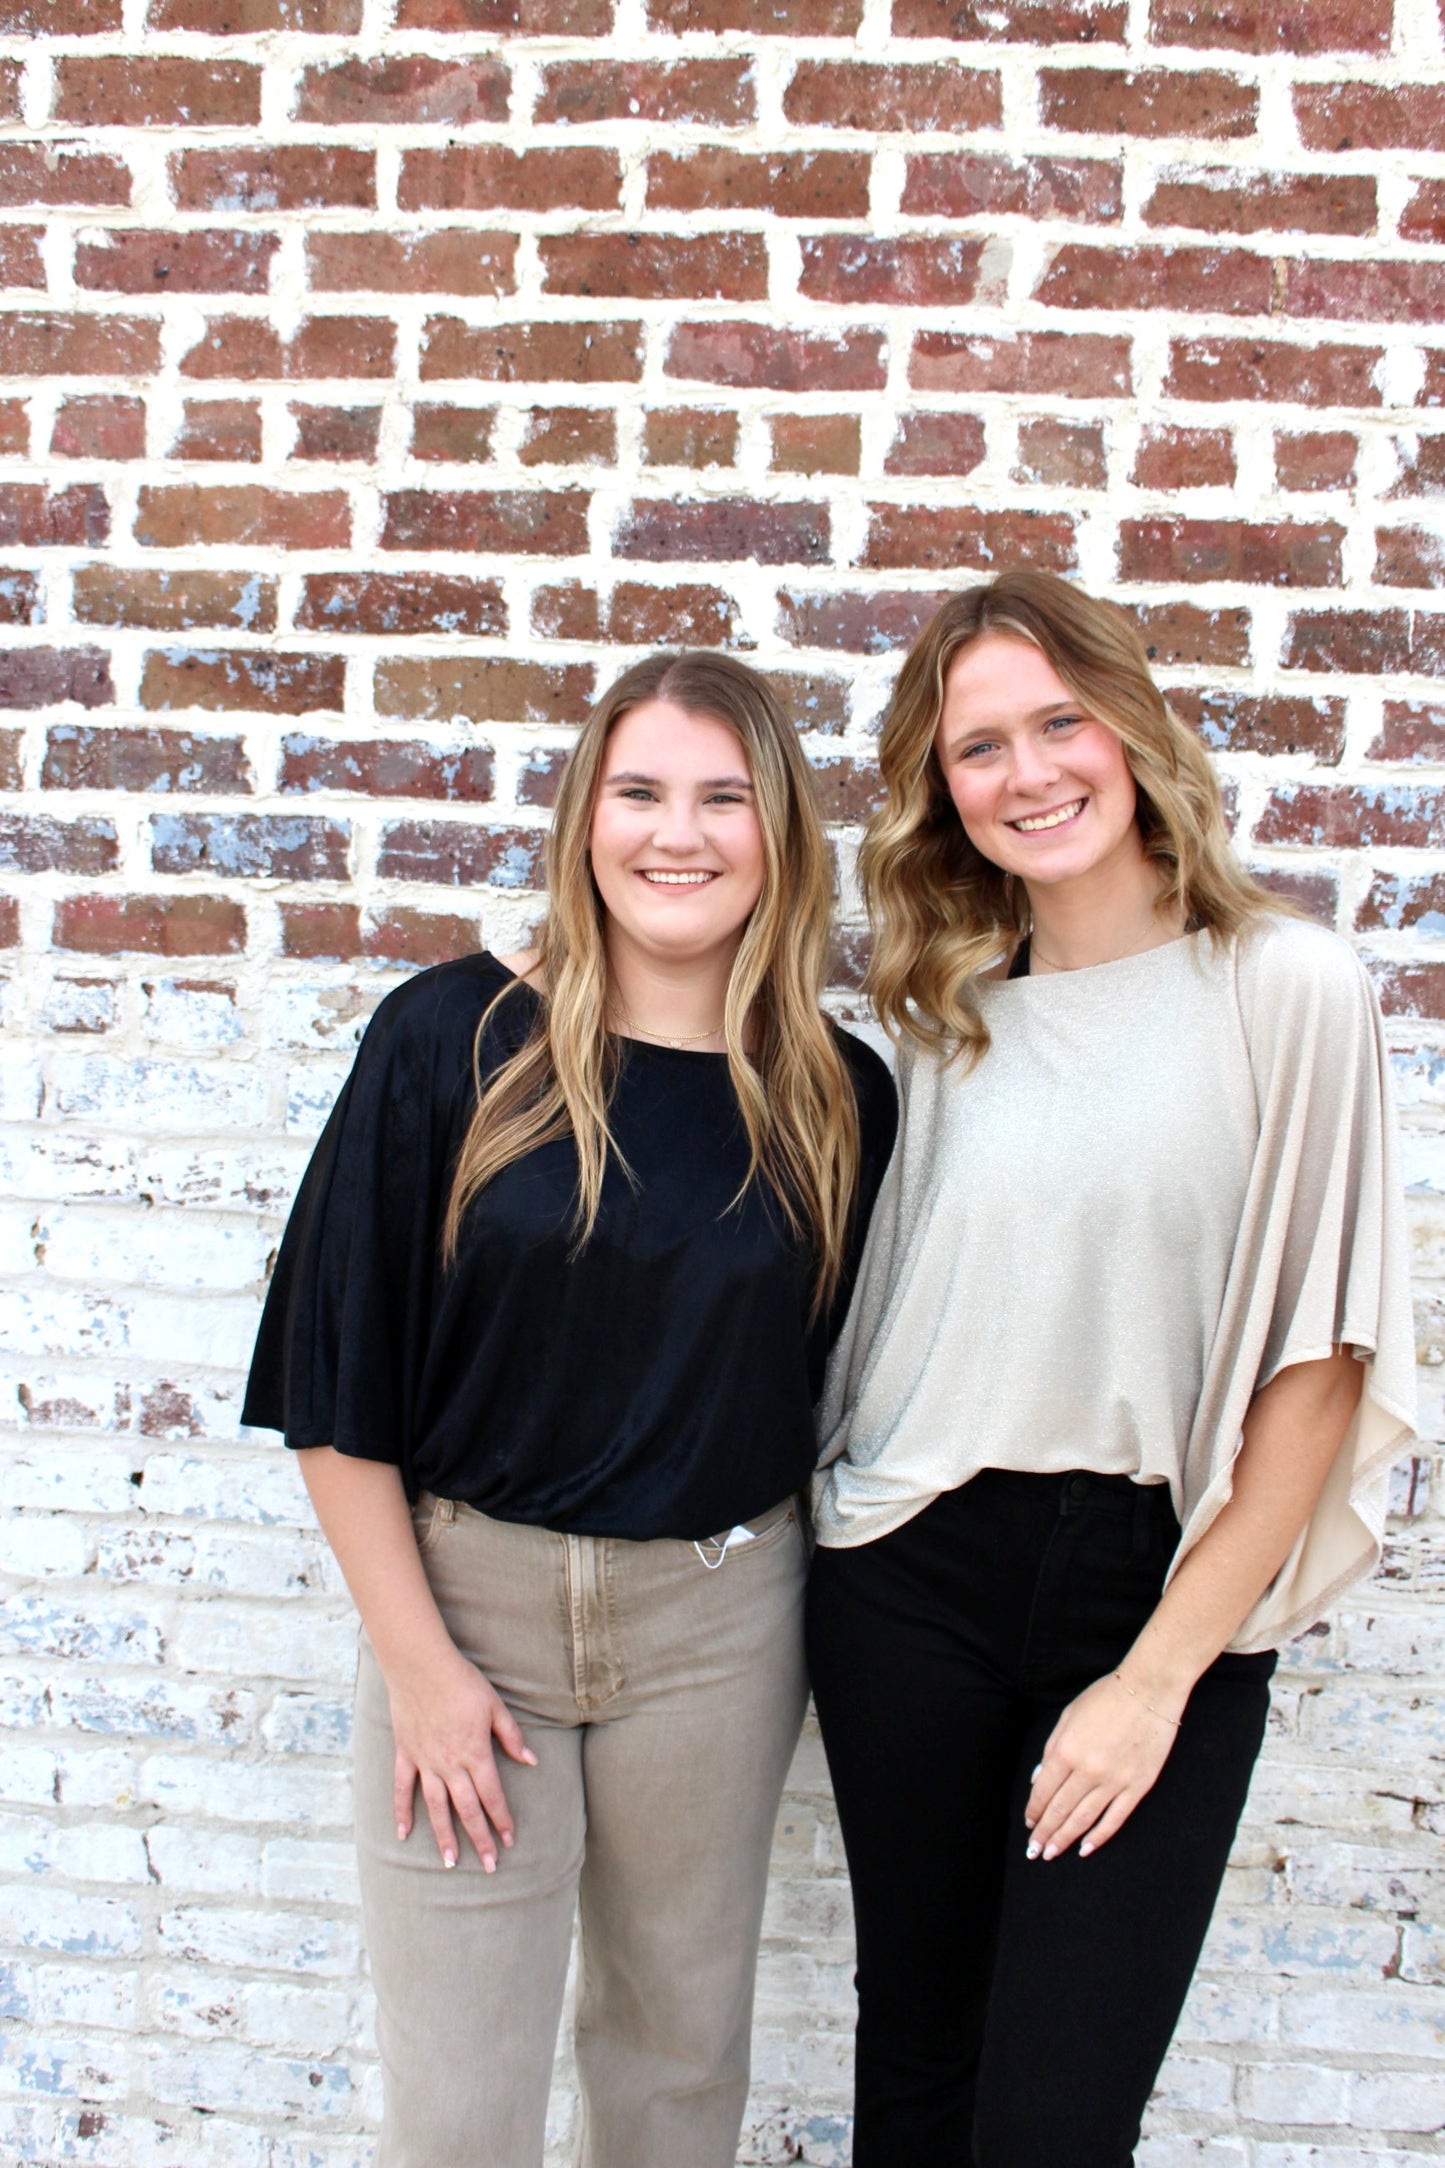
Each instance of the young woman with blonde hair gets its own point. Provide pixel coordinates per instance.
(546, 1327)
(1128, 1361)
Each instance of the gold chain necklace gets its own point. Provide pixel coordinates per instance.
(689, 1038)
(1055, 965)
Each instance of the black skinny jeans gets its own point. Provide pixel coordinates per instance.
(1014, 2014)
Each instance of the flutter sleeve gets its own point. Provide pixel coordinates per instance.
(1320, 1261)
(343, 1335)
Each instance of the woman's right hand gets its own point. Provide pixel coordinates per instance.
(444, 1725)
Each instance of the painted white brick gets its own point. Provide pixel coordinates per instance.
(37, 1624)
(1294, 2092)
(1374, 1878)
(1380, 1729)
(1361, 2021)
(271, 1562)
(21, 1085)
(1161, 2150)
(86, 1998)
(232, 1173)
(1404, 1644)
(263, 1487)
(162, 1250)
(235, 1637)
(66, 1164)
(173, 1096)
(308, 1868)
(1233, 2011)
(89, 1851)
(42, 1546)
(1343, 1797)
(217, 1331)
(1398, 2100)
(1422, 1954)
(41, 1918)
(188, 1859)
(304, 1796)
(1302, 1943)
(1190, 2082)
(308, 1724)
(49, 2063)
(162, 1708)
(197, 1017)
(294, 2149)
(110, 2138)
(88, 1775)
(217, 2074)
(276, 1941)
(1339, 2156)
(27, 1772)
(79, 1479)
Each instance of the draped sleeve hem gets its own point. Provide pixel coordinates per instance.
(341, 1344)
(1319, 1262)
(1341, 1542)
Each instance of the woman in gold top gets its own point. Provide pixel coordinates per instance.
(1128, 1361)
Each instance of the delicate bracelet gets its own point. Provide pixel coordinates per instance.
(1137, 1696)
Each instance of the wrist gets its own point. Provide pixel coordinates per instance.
(415, 1662)
(1159, 1710)
(1164, 1681)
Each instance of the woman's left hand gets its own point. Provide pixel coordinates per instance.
(1103, 1755)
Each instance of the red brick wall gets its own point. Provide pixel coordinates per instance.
(374, 384)
(373, 387)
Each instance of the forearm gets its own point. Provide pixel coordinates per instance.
(365, 1518)
(1292, 1434)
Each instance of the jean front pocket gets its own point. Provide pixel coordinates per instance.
(746, 1541)
(429, 1516)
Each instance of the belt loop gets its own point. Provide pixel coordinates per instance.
(446, 1510)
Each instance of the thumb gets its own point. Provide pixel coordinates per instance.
(508, 1733)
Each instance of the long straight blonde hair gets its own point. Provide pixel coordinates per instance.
(793, 1087)
(940, 911)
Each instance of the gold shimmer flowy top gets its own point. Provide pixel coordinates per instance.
(1166, 1179)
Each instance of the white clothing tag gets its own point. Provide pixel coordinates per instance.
(722, 1545)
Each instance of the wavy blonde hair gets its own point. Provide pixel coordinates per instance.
(941, 912)
(793, 1088)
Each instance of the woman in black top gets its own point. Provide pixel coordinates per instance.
(546, 1326)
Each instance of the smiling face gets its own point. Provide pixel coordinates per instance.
(676, 843)
(1042, 788)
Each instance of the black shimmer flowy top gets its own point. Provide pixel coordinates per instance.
(659, 1383)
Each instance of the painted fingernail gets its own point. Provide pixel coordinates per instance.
(1038, 1772)
(401, 1833)
(489, 1863)
(1085, 1849)
(1051, 1851)
(507, 1840)
(449, 1859)
(1033, 1850)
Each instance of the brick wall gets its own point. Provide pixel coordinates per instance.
(372, 387)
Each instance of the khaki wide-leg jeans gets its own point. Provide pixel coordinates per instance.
(663, 1701)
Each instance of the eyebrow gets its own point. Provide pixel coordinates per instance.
(717, 782)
